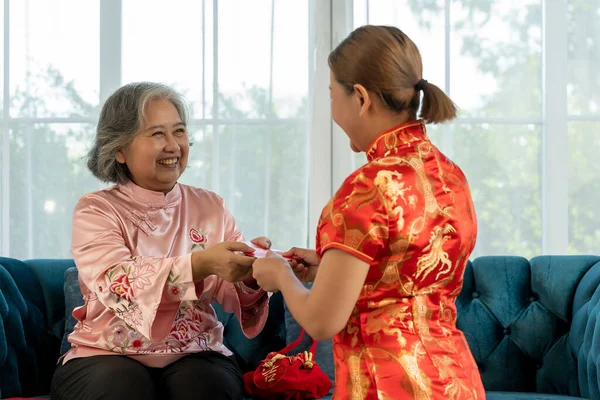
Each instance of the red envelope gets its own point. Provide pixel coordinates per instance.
(259, 252)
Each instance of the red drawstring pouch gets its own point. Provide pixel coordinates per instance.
(284, 377)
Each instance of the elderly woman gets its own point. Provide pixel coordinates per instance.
(152, 255)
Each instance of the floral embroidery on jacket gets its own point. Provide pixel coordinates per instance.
(188, 327)
(130, 314)
(199, 239)
(126, 279)
(174, 289)
(142, 275)
(121, 286)
(124, 338)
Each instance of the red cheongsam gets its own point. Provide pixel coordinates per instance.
(408, 213)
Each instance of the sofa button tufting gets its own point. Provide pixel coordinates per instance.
(538, 365)
(481, 367)
(506, 331)
(475, 295)
(531, 299)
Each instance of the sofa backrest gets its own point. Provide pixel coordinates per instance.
(517, 315)
(31, 324)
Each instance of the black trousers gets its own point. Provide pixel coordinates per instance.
(204, 375)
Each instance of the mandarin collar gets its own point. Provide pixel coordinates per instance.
(400, 137)
(151, 198)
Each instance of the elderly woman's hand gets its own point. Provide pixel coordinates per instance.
(224, 260)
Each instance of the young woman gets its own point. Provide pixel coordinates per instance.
(393, 242)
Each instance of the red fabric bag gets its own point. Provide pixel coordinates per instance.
(288, 377)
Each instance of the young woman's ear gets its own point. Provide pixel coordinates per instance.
(363, 98)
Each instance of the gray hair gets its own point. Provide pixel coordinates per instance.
(120, 120)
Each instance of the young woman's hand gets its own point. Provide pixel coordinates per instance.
(262, 242)
(305, 263)
(270, 271)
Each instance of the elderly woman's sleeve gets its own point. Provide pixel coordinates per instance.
(136, 289)
(250, 306)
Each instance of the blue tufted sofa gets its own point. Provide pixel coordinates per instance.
(532, 325)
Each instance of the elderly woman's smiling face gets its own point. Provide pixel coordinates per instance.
(158, 154)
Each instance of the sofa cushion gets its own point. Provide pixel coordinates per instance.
(518, 313)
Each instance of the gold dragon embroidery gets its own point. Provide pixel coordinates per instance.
(456, 388)
(435, 254)
(387, 313)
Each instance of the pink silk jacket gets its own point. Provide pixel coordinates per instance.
(132, 248)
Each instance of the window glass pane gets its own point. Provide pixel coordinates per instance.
(584, 57)
(361, 12)
(584, 188)
(423, 22)
(172, 45)
(496, 57)
(502, 165)
(54, 58)
(358, 160)
(244, 54)
(247, 37)
(48, 175)
(495, 49)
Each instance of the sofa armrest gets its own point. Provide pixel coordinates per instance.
(584, 338)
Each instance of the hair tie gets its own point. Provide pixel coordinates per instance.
(420, 85)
